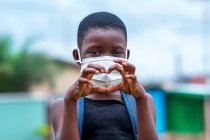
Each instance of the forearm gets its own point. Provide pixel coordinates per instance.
(146, 123)
(69, 129)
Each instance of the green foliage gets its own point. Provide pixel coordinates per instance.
(18, 71)
(43, 130)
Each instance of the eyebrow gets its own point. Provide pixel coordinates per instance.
(118, 46)
(93, 46)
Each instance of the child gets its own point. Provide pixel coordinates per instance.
(106, 77)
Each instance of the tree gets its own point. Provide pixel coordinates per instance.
(19, 71)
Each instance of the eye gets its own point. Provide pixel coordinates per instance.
(118, 53)
(94, 53)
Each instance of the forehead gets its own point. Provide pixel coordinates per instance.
(104, 35)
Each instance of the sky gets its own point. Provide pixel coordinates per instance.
(166, 38)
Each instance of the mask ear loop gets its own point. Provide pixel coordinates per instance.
(126, 55)
(79, 60)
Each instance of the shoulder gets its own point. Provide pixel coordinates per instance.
(57, 107)
(56, 113)
(150, 99)
(57, 104)
(152, 106)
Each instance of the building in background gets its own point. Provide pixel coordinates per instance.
(62, 82)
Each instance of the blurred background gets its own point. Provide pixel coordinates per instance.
(169, 43)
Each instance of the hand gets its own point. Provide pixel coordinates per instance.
(83, 86)
(129, 84)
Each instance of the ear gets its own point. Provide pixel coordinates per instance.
(75, 54)
(128, 53)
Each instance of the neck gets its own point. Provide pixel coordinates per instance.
(116, 95)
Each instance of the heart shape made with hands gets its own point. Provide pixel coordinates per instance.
(104, 80)
(107, 79)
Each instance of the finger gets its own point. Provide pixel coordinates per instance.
(114, 88)
(128, 67)
(81, 85)
(100, 68)
(120, 60)
(89, 72)
(83, 81)
(131, 77)
(132, 81)
(95, 89)
(116, 66)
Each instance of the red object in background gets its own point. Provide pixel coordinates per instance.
(197, 80)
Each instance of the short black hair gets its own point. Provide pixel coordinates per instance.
(100, 20)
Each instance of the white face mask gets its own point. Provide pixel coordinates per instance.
(103, 79)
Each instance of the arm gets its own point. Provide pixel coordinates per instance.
(144, 102)
(146, 118)
(69, 129)
(57, 109)
(64, 120)
(64, 112)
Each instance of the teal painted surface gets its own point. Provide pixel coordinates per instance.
(20, 119)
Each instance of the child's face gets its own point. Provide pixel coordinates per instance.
(103, 42)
